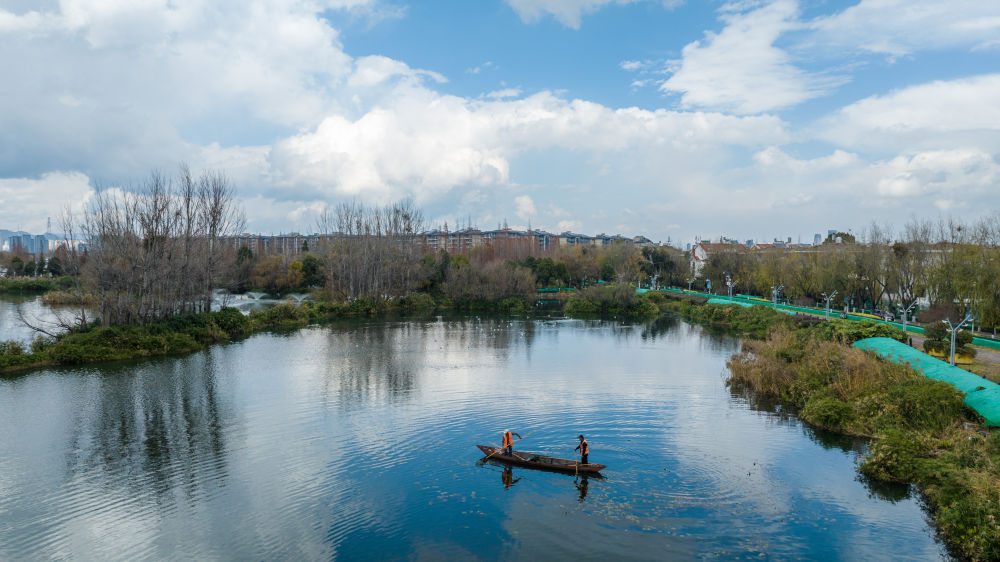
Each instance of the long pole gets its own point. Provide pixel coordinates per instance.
(495, 449)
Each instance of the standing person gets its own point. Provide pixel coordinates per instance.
(584, 449)
(508, 441)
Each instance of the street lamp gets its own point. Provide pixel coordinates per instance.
(730, 283)
(690, 280)
(906, 314)
(828, 298)
(954, 330)
(775, 290)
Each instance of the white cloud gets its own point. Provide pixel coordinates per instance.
(478, 69)
(264, 91)
(568, 12)
(26, 202)
(376, 70)
(741, 70)
(571, 226)
(961, 171)
(900, 27)
(941, 113)
(505, 93)
(419, 143)
(524, 207)
(845, 180)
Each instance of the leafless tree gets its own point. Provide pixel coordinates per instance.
(372, 251)
(155, 248)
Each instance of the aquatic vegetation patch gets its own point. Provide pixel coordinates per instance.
(611, 299)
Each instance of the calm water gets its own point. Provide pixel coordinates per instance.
(36, 313)
(357, 441)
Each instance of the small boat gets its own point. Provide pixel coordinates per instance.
(534, 460)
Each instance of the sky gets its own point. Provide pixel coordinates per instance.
(674, 119)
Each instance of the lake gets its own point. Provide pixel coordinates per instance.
(357, 440)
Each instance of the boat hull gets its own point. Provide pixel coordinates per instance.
(533, 460)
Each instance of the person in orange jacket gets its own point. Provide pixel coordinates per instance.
(508, 441)
(584, 449)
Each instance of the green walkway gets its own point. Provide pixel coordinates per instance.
(981, 395)
(834, 313)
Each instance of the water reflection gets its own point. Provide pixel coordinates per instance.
(660, 327)
(582, 484)
(48, 318)
(153, 428)
(507, 477)
(357, 439)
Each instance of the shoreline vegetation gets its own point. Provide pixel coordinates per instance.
(920, 430)
(33, 285)
(192, 332)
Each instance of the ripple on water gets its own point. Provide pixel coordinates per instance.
(358, 439)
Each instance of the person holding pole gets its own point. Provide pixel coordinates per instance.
(584, 449)
(508, 442)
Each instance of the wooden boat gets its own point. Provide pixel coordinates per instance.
(534, 460)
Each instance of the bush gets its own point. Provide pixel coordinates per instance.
(611, 299)
(849, 331)
(927, 404)
(828, 413)
(417, 301)
(232, 322)
(279, 315)
(893, 457)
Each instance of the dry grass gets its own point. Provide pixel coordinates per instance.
(986, 369)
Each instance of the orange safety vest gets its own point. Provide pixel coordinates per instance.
(584, 448)
(508, 440)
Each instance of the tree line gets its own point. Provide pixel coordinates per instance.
(950, 265)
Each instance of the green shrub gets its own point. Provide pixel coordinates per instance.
(417, 301)
(279, 315)
(233, 322)
(927, 404)
(617, 299)
(827, 412)
(893, 457)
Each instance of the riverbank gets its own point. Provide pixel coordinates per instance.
(21, 285)
(192, 332)
(189, 333)
(921, 431)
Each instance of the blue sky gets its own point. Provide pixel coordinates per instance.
(751, 118)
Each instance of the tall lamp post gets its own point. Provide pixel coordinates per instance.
(828, 298)
(775, 290)
(906, 314)
(954, 330)
(730, 283)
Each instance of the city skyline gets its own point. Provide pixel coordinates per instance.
(668, 119)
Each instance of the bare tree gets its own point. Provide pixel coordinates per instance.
(372, 251)
(156, 248)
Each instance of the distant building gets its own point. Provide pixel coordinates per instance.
(702, 251)
(817, 240)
